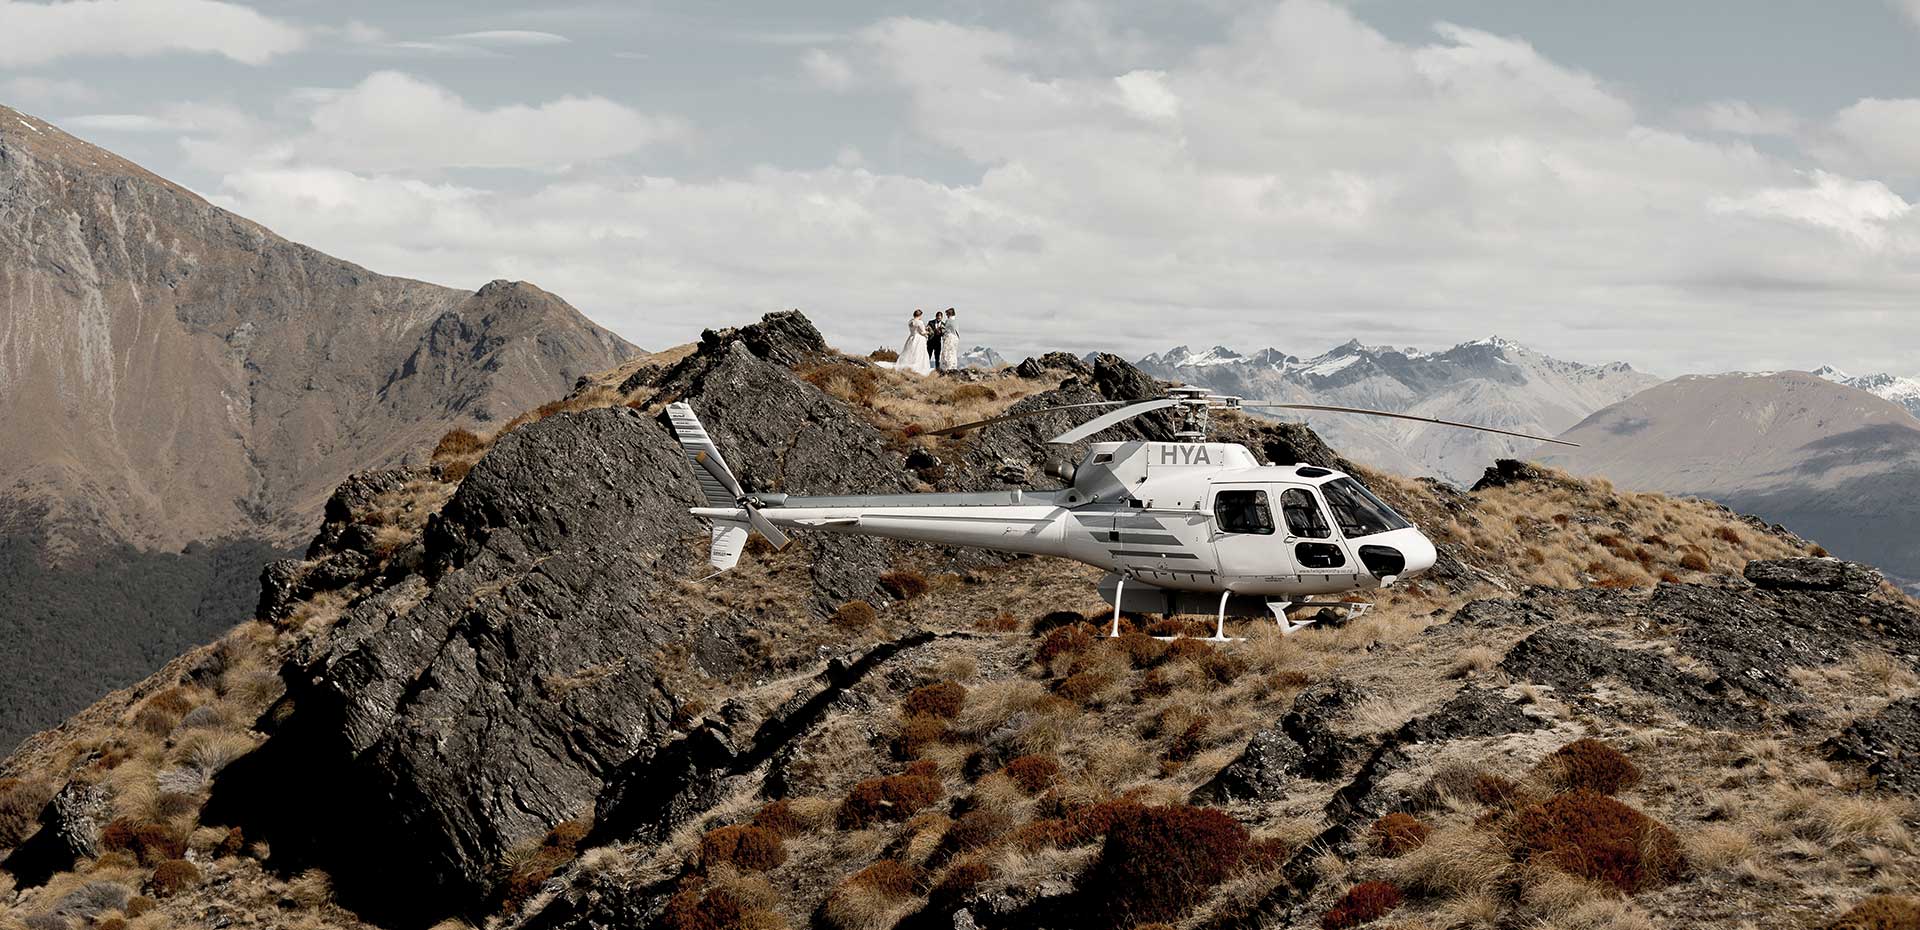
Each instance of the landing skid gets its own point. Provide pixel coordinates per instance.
(1278, 608)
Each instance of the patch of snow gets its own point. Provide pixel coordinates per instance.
(27, 124)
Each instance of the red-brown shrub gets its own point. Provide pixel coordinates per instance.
(855, 615)
(698, 907)
(1695, 561)
(888, 877)
(1142, 650)
(233, 844)
(941, 699)
(974, 829)
(1496, 790)
(884, 355)
(1881, 912)
(20, 803)
(953, 887)
(1002, 622)
(1158, 862)
(1728, 534)
(1589, 764)
(457, 443)
(172, 876)
(1188, 744)
(1265, 855)
(1591, 835)
(780, 818)
(1065, 640)
(1397, 834)
(889, 799)
(1363, 902)
(916, 734)
(1081, 687)
(750, 848)
(1034, 773)
(904, 584)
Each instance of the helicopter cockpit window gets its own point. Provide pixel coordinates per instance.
(1303, 514)
(1358, 512)
(1243, 512)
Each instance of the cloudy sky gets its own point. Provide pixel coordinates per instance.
(1700, 186)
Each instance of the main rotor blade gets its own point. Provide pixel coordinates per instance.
(1118, 416)
(1016, 416)
(1408, 416)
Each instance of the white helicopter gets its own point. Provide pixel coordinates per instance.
(1182, 527)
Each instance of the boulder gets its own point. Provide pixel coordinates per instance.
(353, 499)
(1887, 743)
(1260, 773)
(69, 831)
(1504, 472)
(1315, 723)
(1811, 574)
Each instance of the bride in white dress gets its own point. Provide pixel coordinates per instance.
(913, 355)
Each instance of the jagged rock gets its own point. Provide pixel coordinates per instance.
(1314, 724)
(279, 587)
(1259, 773)
(69, 831)
(1504, 472)
(284, 583)
(472, 716)
(1811, 574)
(1473, 712)
(1573, 661)
(1888, 743)
(1116, 378)
(1054, 363)
(353, 499)
(785, 338)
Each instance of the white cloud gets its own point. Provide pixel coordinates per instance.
(1866, 211)
(119, 122)
(395, 121)
(1740, 118)
(1300, 182)
(509, 37)
(826, 69)
(1878, 135)
(36, 33)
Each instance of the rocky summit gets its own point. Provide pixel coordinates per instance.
(502, 690)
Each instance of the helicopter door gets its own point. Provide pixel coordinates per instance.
(1322, 558)
(1245, 537)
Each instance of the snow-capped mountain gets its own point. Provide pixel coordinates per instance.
(981, 357)
(1492, 382)
(1902, 391)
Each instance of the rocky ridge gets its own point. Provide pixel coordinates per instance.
(533, 710)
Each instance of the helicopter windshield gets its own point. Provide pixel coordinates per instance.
(1357, 511)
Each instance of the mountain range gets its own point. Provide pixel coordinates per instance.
(1491, 382)
(1902, 391)
(184, 388)
(1829, 461)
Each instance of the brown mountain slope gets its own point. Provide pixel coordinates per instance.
(173, 374)
(1832, 462)
(176, 372)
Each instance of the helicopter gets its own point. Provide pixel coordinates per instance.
(1181, 527)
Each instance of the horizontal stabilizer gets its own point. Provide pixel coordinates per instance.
(728, 541)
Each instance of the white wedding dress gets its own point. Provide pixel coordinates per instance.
(950, 347)
(913, 355)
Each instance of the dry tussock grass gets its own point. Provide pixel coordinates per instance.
(907, 404)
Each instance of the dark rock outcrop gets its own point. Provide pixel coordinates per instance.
(1315, 723)
(1888, 743)
(1055, 364)
(1573, 661)
(1811, 574)
(70, 826)
(1504, 472)
(1259, 773)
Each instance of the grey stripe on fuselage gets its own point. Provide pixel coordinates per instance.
(1144, 554)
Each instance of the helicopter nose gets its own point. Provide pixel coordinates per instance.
(1420, 554)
